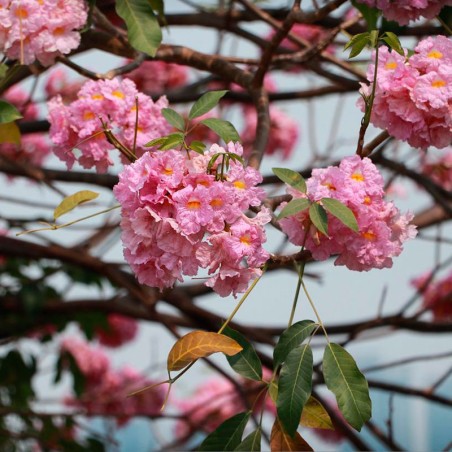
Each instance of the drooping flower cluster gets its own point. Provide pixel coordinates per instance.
(403, 11)
(120, 330)
(156, 77)
(438, 167)
(358, 185)
(437, 295)
(42, 30)
(177, 217)
(34, 147)
(79, 124)
(105, 391)
(413, 96)
(284, 132)
(215, 401)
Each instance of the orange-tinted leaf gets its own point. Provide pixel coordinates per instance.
(9, 133)
(199, 344)
(72, 201)
(315, 416)
(281, 441)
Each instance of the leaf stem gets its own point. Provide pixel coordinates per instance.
(300, 271)
(319, 320)
(53, 227)
(245, 296)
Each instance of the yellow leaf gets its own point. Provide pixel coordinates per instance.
(72, 201)
(9, 133)
(315, 416)
(281, 441)
(199, 344)
(273, 390)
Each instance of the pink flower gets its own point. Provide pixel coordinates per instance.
(284, 133)
(110, 102)
(41, 30)
(413, 96)
(217, 400)
(404, 11)
(437, 295)
(157, 77)
(358, 185)
(438, 166)
(177, 217)
(92, 362)
(120, 330)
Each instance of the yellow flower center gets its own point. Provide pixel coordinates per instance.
(246, 240)
(58, 31)
(118, 94)
(194, 204)
(168, 171)
(329, 185)
(369, 235)
(21, 13)
(240, 184)
(367, 201)
(216, 202)
(97, 96)
(88, 115)
(438, 84)
(435, 54)
(358, 177)
(391, 65)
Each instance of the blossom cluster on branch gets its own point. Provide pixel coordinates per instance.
(42, 30)
(413, 95)
(114, 104)
(357, 184)
(404, 11)
(177, 216)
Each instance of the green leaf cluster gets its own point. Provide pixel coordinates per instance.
(224, 129)
(371, 38)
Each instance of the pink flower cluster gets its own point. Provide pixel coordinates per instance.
(413, 96)
(120, 330)
(358, 185)
(156, 77)
(44, 29)
(403, 11)
(78, 125)
(439, 168)
(217, 400)
(437, 295)
(284, 132)
(177, 217)
(105, 392)
(34, 147)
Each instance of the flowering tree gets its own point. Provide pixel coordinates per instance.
(161, 149)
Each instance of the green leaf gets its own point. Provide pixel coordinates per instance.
(8, 112)
(174, 118)
(228, 435)
(314, 415)
(158, 5)
(156, 142)
(72, 201)
(143, 28)
(357, 44)
(293, 207)
(348, 384)
(172, 140)
(319, 218)
(252, 442)
(294, 387)
(370, 15)
(393, 42)
(197, 146)
(291, 338)
(291, 178)
(226, 131)
(246, 363)
(341, 212)
(9, 133)
(205, 103)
